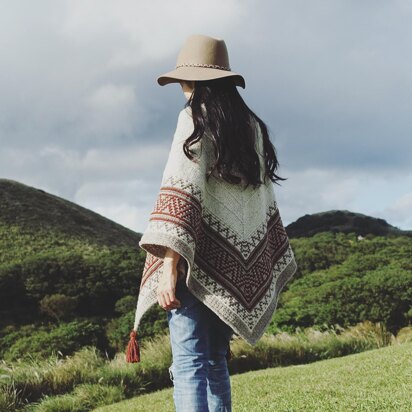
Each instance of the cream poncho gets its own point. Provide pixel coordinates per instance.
(236, 252)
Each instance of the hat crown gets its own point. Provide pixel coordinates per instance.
(204, 51)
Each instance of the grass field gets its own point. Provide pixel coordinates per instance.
(374, 380)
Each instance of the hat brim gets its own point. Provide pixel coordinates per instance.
(191, 73)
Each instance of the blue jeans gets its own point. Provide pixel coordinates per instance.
(199, 341)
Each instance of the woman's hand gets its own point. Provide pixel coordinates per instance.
(167, 281)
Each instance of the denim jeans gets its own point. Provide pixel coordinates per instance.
(199, 341)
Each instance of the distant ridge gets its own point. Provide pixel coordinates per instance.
(342, 221)
(35, 210)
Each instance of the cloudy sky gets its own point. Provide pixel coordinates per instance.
(83, 117)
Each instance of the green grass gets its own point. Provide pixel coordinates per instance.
(87, 380)
(374, 380)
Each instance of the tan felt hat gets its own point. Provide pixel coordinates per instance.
(201, 58)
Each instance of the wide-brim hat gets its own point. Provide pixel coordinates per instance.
(202, 58)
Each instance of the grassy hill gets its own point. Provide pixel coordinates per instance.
(63, 266)
(374, 380)
(33, 210)
(342, 221)
(344, 279)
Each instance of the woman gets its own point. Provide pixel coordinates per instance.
(217, 252)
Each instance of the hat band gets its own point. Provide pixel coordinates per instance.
(213, 66)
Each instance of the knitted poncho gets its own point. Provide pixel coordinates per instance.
(235, 252)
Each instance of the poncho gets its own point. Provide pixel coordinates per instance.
(235, 253)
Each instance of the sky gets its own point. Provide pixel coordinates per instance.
(83, 117)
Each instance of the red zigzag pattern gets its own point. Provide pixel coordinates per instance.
(245, 278)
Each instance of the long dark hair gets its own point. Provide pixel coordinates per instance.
(232, 131)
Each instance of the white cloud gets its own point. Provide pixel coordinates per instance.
(109, 112)
(150, 30)
(316, 190)
(127, 202)
(140, 159)
(399, 213)
(126, 215)
(110, 97)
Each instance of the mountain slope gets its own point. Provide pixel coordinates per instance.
(50, 246)
(33, 210)
(342, 221)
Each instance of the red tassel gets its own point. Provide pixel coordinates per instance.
(133, 350)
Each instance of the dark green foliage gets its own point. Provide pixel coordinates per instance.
(11, 333)
(36, 266)
(66, 338)
(98, 281)
(49, 245)
(154, 322)
(321, 251)
(118, 331)
(96, 275)
(58, 306)
(125, 304)
(374, 282)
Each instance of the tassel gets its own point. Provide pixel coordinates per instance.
(133, 350)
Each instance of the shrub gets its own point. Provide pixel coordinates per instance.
(66, 338)
(126, 304)
(58, 305)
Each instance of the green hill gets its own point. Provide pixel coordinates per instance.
(50, 246)
(344, 279)
(375, 380)
(69, 276)
(34, 210)
(63, 268)
(342, 221)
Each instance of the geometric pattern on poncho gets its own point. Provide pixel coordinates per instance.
(243, 277)
(243, 267)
